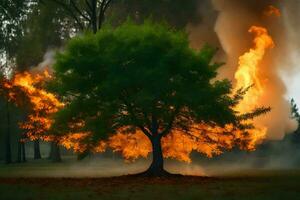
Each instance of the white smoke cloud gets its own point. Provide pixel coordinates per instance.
(234, 19)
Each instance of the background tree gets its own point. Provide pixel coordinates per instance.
(87, 14)
(12, 103)
(295, 111)
(176, 13)
(46, 28)
(143, 78)
(12, 15)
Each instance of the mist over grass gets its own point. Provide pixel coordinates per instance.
(281, 159)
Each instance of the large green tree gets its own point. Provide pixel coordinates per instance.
(144, 78)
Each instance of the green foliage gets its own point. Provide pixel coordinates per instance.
(176, 12)
(12, 15)
(295, 111)
(142, 77)
(46, 28)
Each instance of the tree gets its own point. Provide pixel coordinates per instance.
(87, 14)
(158, 10)
(9, 98)
(12, 15)
(143, 78)
(46, 28)
(295, 111)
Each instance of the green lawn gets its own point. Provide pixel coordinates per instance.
(243, 184)
(264, 188)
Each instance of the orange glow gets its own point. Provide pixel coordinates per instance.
(272, 11)
(131, 146)
(42, 105)
(203, 138)
(206, 139)
(247, 73)
(73, 141)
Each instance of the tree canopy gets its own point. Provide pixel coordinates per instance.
(142, 78)
(132, 74)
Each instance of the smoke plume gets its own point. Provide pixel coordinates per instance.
(231, 26)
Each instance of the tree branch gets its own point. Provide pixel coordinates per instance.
(79, 11)
(107, 4)
(89, 7)
(66, 7)
(135, 119)
(6, 13)
(170, 124)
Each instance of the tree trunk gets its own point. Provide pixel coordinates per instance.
(37, 152)
(156, 168)
(55, 152)
(94, 16)
(19, 152)
(7, 137)
(23, 152)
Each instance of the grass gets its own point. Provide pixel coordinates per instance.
(256, 184)
(229, 188)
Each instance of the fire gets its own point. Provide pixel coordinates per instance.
(248, 72)
(131, 146)
(42, 102)
(43, 105)
(206, 139)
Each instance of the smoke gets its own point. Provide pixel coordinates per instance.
(235, 17)
(47, 62)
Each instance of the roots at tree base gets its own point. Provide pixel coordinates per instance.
(156, 173)
(156, 168)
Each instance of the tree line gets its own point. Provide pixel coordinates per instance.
(29, 28)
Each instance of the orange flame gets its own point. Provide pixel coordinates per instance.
(247, 73)
(208, 140)
(205, 139)
(43, 104)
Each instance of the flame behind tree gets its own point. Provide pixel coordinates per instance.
(133, 143)
(146, 86)
(26, 91)
(40, 103)
(248, 71)
(210, 140)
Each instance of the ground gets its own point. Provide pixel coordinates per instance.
(261, 184)
(264, 188)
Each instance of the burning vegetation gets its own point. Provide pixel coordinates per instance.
(26, 90)
(207, 138)
(170, 102)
